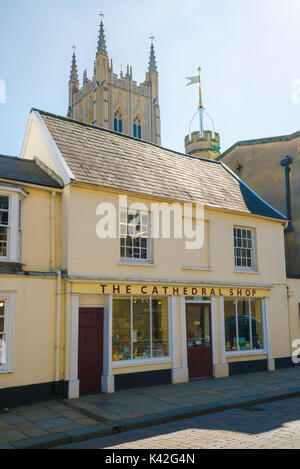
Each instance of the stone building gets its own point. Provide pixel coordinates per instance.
(271, 166)
(115, 102)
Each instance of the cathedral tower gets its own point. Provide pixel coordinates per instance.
(115, 102)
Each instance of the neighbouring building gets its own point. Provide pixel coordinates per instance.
(116, 102)
(271, 166)
(84, 314)
(30, 251)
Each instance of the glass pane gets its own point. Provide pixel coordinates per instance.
(198, 326)
(230, 325)
(141, 328)
(3, 203)
(257, 324)
(3, 242)
(121, 338)
(2, 350)
(1, 324)
(3, 217)
(244, 325)
(160, 336)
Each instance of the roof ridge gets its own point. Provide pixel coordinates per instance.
(10, 157)
(27, 160)
(67, 119)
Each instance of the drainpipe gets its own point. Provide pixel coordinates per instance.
(57, 335)
(67, 332)
(287, 162)
(289, 295)
(52, 233)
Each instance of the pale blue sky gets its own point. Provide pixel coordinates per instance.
(249, 51)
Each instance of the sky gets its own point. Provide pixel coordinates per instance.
(248, 50)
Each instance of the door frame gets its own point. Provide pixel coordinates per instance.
(100, 352)
(213, 311)
(73, 384)
(202, 303)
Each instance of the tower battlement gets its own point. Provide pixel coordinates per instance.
(207, 146)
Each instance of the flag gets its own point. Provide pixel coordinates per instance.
(193, 80)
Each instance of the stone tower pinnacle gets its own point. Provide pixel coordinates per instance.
(74, 73)
(152, 61)
(101, 48)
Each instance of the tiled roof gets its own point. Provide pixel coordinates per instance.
(108, 159)
(18, 169)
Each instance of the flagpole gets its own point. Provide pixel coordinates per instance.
(200, 106)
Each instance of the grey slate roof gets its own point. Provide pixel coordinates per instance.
(18, 169)
(108, 159)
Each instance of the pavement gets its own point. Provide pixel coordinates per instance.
(60, 422)
(275, 425)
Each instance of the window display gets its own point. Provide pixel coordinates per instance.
(140, 328)
(243, 325)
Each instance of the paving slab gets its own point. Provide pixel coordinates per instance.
(60, 422)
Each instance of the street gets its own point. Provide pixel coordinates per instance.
(275, 425)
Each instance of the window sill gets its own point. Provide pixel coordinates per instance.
(9, 261)
(137, 264)
(245, 353)
(200, 269)
(238, 271)
(148, 361)
(3, 372)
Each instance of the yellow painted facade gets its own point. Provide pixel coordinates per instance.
(66, 266)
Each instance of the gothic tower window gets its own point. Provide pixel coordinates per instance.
(137, 128)
(118, 122)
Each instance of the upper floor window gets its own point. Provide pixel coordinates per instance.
(118, 122)
(134, 236)
(244, 249)
(137, 128)
(11, 223)
(4, 227)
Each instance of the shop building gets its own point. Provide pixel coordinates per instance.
(137, 310)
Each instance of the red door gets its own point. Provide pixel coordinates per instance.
(90, 349)
(199, 341)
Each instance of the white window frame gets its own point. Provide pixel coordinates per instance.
(149, 248)
(15, 222)
(7, 229)
(146, 361)
(9, 324)
(254, 267)
(250, 351)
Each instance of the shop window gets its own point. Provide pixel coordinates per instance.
(140, 329)
(244, 249)
(244, 325)
(134, 236)
(6, 332)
